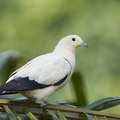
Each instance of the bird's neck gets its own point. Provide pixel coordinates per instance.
(67, 53)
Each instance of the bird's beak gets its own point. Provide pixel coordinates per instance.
(84, 44)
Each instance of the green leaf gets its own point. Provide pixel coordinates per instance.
(104, 103)
(10, 114)
(60, 115)
(8, 62)
(3, 116)
(18, 117)
(29, 114)
(85, 115)
(54, 117)
(79, 89)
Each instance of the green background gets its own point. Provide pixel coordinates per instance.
(34, 27)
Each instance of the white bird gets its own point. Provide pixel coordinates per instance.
(45, 74)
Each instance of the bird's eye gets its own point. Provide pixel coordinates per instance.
(73, 39)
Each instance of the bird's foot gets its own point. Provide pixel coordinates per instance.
(58, 103)
(22, 99)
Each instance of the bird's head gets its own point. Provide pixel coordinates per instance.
(72, 41)
(69, 42)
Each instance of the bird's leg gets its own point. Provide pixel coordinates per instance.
(46, 102)
(58, 103)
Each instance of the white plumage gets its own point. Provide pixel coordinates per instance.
(45, 74)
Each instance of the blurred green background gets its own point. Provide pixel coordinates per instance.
(34, 27)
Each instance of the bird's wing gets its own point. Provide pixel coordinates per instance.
(41, 72)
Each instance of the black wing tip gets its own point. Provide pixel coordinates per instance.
(7, 92)
(1, 92)
(24, 84)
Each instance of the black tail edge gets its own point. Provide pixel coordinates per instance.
(7, 92)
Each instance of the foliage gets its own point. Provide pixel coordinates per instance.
(104, 103)
(58, 112)
(8, 63)
(79, 89)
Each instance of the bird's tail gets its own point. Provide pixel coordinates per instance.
(6, 91)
